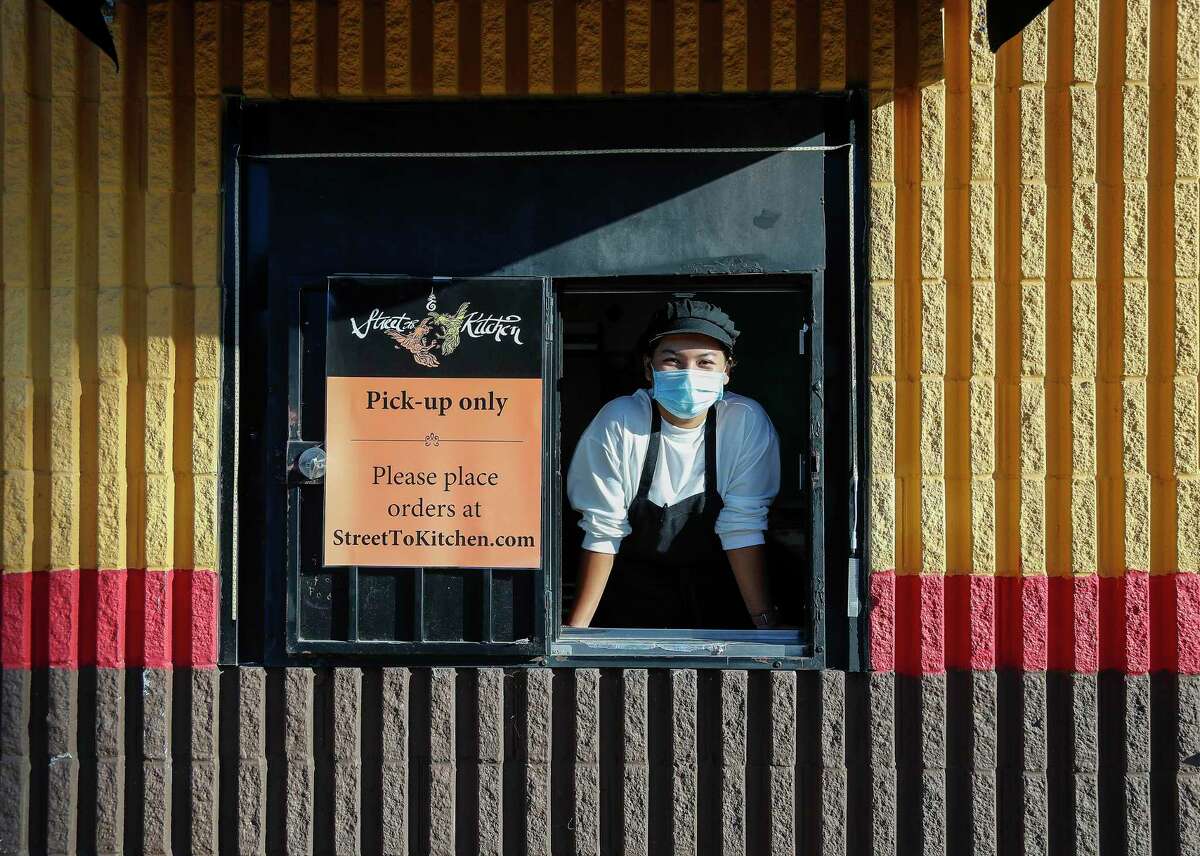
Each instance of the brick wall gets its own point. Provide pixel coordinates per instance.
(394, 761)
(1034, 300)
(1035, 453)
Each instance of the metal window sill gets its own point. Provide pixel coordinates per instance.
(636, 647)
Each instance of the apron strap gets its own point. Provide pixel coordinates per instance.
(710, 453)
(651, 462)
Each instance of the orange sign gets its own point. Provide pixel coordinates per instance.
(433, 472)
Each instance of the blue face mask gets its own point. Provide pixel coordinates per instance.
(686, 393)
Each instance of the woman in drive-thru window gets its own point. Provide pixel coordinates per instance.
(673, 484)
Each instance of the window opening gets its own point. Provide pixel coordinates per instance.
(602, 325)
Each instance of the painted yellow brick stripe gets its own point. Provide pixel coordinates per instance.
(112, 347)
(981, 216)
(1032, 316)
(209, 47)
(1083, 547)
(1186, 234)
(22, 242)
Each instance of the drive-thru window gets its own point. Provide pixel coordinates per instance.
(431, 305)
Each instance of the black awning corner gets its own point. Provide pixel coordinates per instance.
(89, 17)
(1006, 18)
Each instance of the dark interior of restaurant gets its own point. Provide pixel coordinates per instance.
(601, 361)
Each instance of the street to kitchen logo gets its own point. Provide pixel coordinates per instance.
(438, 334)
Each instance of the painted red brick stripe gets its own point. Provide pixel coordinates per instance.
(1134, 623)
(109, 618)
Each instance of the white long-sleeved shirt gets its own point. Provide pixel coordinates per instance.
(604, 474)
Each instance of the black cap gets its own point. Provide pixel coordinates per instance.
(686, 315)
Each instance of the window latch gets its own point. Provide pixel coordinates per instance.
(803, 333)
(305, 462)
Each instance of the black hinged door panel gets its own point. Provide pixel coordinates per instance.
(416, 400)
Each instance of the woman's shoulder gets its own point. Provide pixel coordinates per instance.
(629, 412)
(745, 418)
(742, 408)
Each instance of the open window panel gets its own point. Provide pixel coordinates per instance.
(468, 613)
(599, 322)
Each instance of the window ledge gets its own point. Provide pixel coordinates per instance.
(778, 649)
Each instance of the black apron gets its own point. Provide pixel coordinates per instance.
(671, 570)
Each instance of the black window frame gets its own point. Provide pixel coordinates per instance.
(561, 647)
(641, 647)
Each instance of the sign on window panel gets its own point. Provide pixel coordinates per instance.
(433, 423)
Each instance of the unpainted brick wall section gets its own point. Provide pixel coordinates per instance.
(489, 761)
